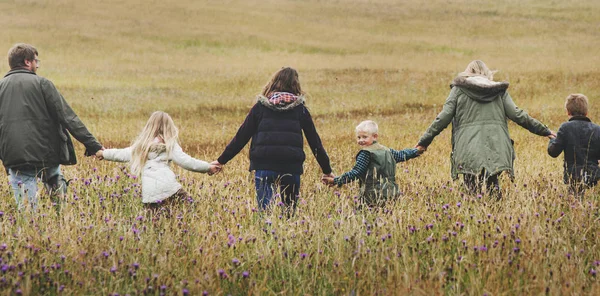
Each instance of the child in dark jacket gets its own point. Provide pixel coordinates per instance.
(276, 125)
(579, 138)
(375, 167)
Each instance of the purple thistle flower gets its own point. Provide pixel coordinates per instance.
(593, 272)
(235, 261)
(303, 255)
(185, 291)
(245, 274)
(113, 269)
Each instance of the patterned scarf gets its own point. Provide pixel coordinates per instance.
(281, 99)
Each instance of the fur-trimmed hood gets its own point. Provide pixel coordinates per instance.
(480, 88)
(281, 106)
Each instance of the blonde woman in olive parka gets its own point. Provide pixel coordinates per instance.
(478, 108)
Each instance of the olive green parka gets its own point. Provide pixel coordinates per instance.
(478, 109)
(35, 123)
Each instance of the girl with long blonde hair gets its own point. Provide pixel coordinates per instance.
(149, 157)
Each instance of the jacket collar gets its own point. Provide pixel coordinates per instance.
(19, 70)
(265, 101)
(480, 88)
(580, 118)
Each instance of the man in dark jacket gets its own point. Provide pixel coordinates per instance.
(35, 122)
(579, 138)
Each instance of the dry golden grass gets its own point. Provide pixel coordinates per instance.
(203, 62)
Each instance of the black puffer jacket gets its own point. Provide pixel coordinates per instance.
(34, 120)
(579, 138)
(277, 142)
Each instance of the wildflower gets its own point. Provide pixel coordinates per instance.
(245, 274)
(185, 291)
(593, 272)
(303, 255)
(235, 261)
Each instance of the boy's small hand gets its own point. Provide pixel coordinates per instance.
(552, 135)
(420, 149)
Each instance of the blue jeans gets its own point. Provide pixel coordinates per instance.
(24, 183)
(267, 182)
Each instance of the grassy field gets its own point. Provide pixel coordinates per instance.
(204, 62)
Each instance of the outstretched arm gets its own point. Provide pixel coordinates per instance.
(118, 155)
(314, 141)
(62, 112)
(359, 169)
(405, 154)
(520, 117)
(441, 121)
(187, 162)
(243, 135)
(557, 145)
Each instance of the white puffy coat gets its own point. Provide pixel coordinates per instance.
(158, 180)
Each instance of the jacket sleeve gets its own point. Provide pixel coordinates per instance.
(314, 141)
(118, 155)
(243, 135)
(404, 154)
(557, 145)
(520, 117)
(67, 118)
(187, 162)
(442, 120)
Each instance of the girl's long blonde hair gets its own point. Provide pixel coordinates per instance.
(160, 125)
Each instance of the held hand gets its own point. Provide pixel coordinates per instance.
(420, 149)
(328, 179)
(215, 168)
(100, 154)
(552, 135)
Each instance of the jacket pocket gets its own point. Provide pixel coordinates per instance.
(67, 150)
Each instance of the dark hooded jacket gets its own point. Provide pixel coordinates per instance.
(579, 138)
(478, 109)
(277, 142)
(35, 122)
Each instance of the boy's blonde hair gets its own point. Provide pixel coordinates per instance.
(577, 104)
(478, 68)
(159, 125)
(368, 126)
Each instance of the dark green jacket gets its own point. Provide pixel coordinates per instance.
(34, 120)
(478, 109)
(379, 183)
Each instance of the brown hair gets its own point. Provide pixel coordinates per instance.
(284, 80)
(19, 53)
(577, 105)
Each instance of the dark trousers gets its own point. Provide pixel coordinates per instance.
(267, 183)
(474, 184)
